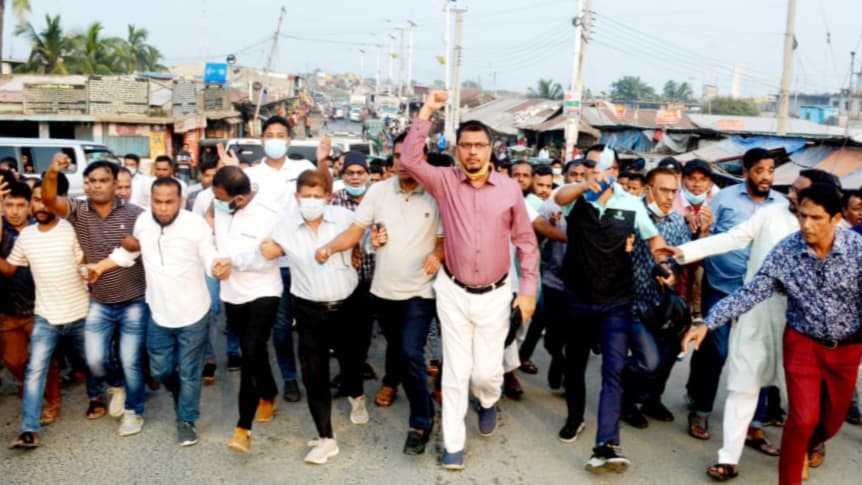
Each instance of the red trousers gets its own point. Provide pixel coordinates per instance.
(810, 369)
(14, 350)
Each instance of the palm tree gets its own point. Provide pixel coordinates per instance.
(136, 55)
(547, 89)
(20, 8)
(47, 48)
(93, 54)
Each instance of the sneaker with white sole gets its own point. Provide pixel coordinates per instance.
(606, 457)
(358, 411)
(117, 405)
(187, 434)
(131, 423)
(322, 449)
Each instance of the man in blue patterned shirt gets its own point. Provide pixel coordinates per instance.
(819, 268)
(653, 356)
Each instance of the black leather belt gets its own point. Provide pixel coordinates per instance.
(476, 290)
(327, 306)
(834, 344)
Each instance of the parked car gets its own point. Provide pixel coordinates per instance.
(40, 152)
(249, 150)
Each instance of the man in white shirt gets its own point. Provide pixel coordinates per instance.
(324, 297)
(163, 166)
(398, 209)
(140, 182)
(251, 294)
(755, 350)
(50, 248)
(176, 248)
(274, 179)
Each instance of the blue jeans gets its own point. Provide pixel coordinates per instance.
(615, 326)
(708, 362)
(131, 318)
(43, 342)
(282, 331)
(649, 366)
(232, 345)
(177, 360)
(405, 325)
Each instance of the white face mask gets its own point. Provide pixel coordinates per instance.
(311, 208)
(655, 209)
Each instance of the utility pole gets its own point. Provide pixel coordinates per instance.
(391, 56)
(377, 80)
(572, 104)
(852, 73)
(456, 74)
(255, 124)
(784, 101)
(400, 63)
(448, 127)
(410, 59)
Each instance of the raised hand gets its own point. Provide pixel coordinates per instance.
(323, 151)
(60, 162)
(226, 158)
(435, 101)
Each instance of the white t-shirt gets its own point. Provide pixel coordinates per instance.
(203, 202)
(513, 270)
(53, 257)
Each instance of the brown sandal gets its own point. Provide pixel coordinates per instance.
(757, 439)
(96, 410)
(385, 396)
(722, 472)
(698, 426)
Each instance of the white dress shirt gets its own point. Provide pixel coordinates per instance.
(141, 187)
(332, 281)
(203, 202)
(278, 185)
(238, 236)
(175, 259)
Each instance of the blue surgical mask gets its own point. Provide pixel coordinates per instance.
(355, 191)
(694, 199)
(225, 207)
(275, 148)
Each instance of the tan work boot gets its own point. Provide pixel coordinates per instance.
(240, 441)
(265, 411)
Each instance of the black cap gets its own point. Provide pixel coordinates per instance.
(354, 158)
(692, 166)
(671, 163)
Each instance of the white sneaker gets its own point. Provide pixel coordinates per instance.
(131, 423)
(117, 406)
(322, 449)
(358, 411)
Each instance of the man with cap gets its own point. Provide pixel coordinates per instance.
(354, 176)
(724, 274)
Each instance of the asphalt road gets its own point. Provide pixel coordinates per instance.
(524, 450)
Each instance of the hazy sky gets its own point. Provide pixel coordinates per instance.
(521, 41)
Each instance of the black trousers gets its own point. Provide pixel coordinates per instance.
(322, 326)
(252, 324)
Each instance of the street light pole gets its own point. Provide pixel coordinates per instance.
(410, 59)
(783, 104)
(572, 105)
(448, 128)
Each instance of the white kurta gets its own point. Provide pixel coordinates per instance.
(755, 349)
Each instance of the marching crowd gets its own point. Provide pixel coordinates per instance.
(126, 285)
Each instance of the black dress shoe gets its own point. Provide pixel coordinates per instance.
(633, 416)
(416, 440)
(234, 362)
(657, 411)
(528, 367)
(512, 386)
(291, 391)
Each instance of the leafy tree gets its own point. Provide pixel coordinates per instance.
(134, 54)
(93, 54)
(20, 9)
(673, 91)
(632, 89)
(47, 47)
(546, 89)
(732, 106)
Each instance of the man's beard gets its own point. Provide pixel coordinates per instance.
(754, 189)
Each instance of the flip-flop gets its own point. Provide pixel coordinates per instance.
(763, 446)
(698, 426)
(96, 410)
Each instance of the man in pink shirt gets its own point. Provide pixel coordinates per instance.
(481, 211)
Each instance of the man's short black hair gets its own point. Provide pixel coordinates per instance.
(572, 163)
(124, 170)
(850, 195)
(541, 170)
(556, 162)
(13, 164)
(600, 147)
(440, 160)
(20, 190)
(207, 163)
(472, 126)
(132, 156)
(817, 176)
(275, 120)
(659, 171)
(110, 166)
(637, 176)
(755, 155)
(825, 195)
(375, 168)
(233, 180)
(167, 181)
(523, 162)
(162, 159)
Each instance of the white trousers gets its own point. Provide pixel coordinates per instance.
(739, 409)
(473, 329)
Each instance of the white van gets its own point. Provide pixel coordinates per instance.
(307, 148)
(39, 152)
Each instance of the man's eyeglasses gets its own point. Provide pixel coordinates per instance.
(469, 146)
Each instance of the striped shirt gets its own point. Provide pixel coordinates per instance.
(332, 281)
(98, 237)
(53, 257)
(366, 265)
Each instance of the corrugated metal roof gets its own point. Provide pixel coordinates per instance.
(846, 163)
(763, 125)
(606, 115)
(507, 115)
